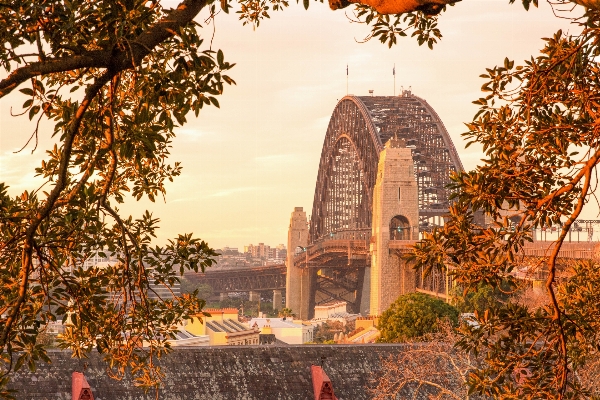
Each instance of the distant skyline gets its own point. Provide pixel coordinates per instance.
(249, 163)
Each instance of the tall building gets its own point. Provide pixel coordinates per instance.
(258, 251)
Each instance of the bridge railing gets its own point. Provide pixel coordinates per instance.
(346, 234)
(349, 242)
(333, 244)
(588, 250)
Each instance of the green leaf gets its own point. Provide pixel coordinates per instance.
(33, 111)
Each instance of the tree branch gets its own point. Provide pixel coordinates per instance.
(429, 7)
(112, 60)
(27, 252)
(98, 59)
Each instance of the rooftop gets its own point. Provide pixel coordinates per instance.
(220, 373)
(274, 323)
(227, 325)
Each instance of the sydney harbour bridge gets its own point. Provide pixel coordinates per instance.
(384, 168)
(385, 165)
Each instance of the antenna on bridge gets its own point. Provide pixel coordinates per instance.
(346, 79)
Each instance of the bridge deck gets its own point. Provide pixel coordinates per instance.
(353, 253)
(244, 279)
(334, 253)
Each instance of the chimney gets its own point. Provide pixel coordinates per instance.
(321, 384)
(80, 388)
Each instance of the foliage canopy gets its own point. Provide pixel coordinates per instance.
(117, 77)
(414, 315)
(538, 124)
(483, 297)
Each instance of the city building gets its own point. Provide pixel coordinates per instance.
(266, 252)
(223, 328)
(366, 331)
(333, 311)
(258, 251)
(287, 330)
(186, 339)
(100, 257)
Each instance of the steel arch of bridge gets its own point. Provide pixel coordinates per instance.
(358, 129)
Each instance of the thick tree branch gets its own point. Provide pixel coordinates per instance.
(591, 4)
(562, 375)
(429, 7)
(46, 209)
(98, 59)
(591, 163)
(113, 60)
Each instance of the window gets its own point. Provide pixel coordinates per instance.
(400, 228)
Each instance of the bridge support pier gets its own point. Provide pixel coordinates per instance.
(253, 296)
(297, 279)
(365, 298)
(223, 296)
(395, 219)
(276, 300)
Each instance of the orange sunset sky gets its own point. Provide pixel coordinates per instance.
(249, 163)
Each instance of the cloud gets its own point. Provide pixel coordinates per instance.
(17, 171)
(276, 160)
(228, 192)
(191, 134)
(184, 200)
(322, 123)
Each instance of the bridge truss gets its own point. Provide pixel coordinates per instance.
(243, 279)
(343, 201)
(357, 132)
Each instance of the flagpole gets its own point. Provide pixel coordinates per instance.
(394, 72)
(346, 79)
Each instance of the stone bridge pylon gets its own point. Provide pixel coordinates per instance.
(395, 219)
(384, 167)
(298, 281)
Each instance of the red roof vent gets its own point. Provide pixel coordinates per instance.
(81, 389)
(321, 384)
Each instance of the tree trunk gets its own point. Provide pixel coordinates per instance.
(429, 7)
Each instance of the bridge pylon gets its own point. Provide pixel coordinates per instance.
(395, 225)
(298, 280)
